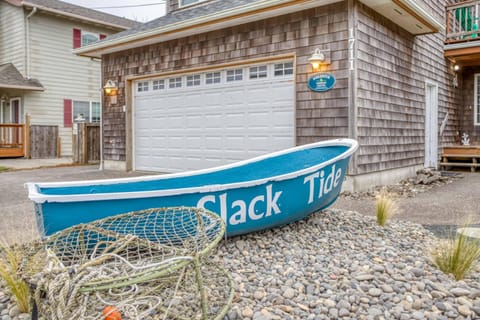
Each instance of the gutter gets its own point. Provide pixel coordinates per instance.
(27, 41)
(222, 19)
(7, 86)
(72, 15)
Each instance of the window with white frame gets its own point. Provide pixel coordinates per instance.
(476, 104)
(283, 69)
(142, 86)
(86, 111)
(193, 80)
(158, 84)
(235, 75)
(175, 83)
(212, 77)
(258, 72)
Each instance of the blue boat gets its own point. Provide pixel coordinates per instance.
(251, 195)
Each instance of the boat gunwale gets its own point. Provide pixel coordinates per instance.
(37, 197)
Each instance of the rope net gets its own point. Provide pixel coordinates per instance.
(150, 264)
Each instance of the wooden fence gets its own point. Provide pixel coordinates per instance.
(44, 142)
(86, 143)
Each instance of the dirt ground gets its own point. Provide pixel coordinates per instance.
(440, 207)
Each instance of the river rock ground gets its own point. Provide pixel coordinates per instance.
(339, 264)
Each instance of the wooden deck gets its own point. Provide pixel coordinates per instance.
(461, 156)
(12, 140)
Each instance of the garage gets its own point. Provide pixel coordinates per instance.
(214, 117)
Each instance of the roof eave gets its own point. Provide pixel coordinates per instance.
(227, 18)
(74, 16)
(29, 88)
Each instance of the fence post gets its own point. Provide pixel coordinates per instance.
(27, 136)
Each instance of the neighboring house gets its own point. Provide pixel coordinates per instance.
(40, 75)
(217, 81)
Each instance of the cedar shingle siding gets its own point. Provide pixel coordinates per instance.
(319, 115)
(393, 66)
(381, 102)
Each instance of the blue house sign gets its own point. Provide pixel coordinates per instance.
(321, 82)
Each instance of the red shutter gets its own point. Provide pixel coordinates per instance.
(102, 36)
(77, 38)
(67, 113)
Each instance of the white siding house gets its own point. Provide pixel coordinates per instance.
(38, 37)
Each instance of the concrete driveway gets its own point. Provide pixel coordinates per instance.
(440, 207)
(17, 218)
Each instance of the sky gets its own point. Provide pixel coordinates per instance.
(139, 10)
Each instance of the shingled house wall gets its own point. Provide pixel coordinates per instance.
(318, 115)
(379, 97)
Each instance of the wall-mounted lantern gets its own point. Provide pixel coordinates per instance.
(319, 57)
(111, 89)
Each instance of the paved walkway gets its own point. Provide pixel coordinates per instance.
(22, 163)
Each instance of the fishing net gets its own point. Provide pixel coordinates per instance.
(150, 264)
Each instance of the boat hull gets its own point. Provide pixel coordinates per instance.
(245, 207)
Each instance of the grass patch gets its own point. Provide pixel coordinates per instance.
(2, 168)
(457, 255)
(385, 207)
(10, 258)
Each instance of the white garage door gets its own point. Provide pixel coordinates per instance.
(201, 120)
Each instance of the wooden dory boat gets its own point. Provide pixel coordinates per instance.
(255, 194)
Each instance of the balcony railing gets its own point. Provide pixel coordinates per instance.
(463, 22)
(12, 140)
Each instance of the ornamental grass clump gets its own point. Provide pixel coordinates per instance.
(385, 206)
(457, 255)
(10, 258)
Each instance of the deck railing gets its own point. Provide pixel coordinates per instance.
(463, 22)
(12, 140)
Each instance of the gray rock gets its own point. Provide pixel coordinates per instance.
(289, 293)
(374, 292)
(458, 292)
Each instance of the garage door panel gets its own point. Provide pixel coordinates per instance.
(210, 125)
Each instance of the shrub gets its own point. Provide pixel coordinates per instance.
(457, 255)
(10, 258)
(385, 207)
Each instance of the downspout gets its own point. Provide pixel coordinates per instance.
(102, 99)
(27, 41)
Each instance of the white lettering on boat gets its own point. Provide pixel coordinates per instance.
(267, 201)
(324, 185)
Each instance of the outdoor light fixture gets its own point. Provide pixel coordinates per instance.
(456, 67)
(110, 88)
(319, 57)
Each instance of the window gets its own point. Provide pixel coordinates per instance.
(142, 86)
(193, 81)
(258, 72)
(175, 83)
(4, 112)
(189, 2)
(283, 69)
(83, 38)
(476, 109)
(86, 111)
(158, 84)
(234, 75)
(213, 77)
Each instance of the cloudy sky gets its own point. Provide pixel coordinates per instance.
(140, 10)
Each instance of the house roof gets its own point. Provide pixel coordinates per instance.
(204, 17)
(77, 12)
(11, 78)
